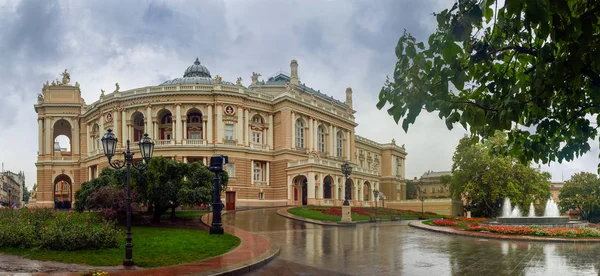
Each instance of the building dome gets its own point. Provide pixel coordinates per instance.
(196, 70)
(194, 74)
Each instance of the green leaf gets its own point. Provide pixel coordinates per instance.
(411, 52)
(451, 51)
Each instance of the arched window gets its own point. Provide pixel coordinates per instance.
(321, 138)
(56, 186)
(257, 119)
(398, 165)
(65, 186)
(340, 144)
(299, 133)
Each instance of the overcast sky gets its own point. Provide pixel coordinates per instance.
(338, 44)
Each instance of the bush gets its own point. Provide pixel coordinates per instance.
(45, 229)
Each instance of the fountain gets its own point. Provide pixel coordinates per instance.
(514, 217)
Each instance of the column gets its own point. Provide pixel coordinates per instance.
(41, 136)
(219, 124)
(130, 135)
(155, 134)
(204, 161)
(124, 129)
(173, 132)
(315, 135)
(290, 188)
(309, 136)
(361, 193)
(204, 131)
(293, 130)
(184, 136)
(185, 159)
(311, 185)
(178, 128)
(331, 147)
(90, 173)
(267, 172)
(88, 139)
(251, 172)
(270, 132)
(148, 119)
(116, 125)
(209, 124)
(348, 157)
(75, 140)
(48, 130)
(239, 128)
(247, 126)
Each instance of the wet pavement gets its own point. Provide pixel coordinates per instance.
(396, 249)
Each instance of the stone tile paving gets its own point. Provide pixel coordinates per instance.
(397, 249)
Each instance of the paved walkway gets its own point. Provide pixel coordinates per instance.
(397, 249)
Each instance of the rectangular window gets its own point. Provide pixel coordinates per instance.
(168, 136)
(261, 195)
(229, 132)
(256, 137)
(433, 190)
(230, 168)
(257, 172)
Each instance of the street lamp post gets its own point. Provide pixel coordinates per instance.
(422, 199)
(217, 165)
(109, 143)
(346, 209)
(468, 205)
(375, 195)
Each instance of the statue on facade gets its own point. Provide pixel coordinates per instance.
(117, 87)
(53, 83)
(76, 84)
(288, 86)
(218, 79)
(66, 77)
(239, 81)
(393, 141)
(34, 191)
(101, 92)
(255, 77)
(40, 99)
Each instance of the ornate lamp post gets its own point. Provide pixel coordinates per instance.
(346, 209)
(347, 170)
(375, 194)
(422, 199)
(109, 143)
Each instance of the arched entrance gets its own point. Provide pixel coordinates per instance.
(194, 125)
(367, 190)
(301, 183)
(138, 125)
(63, 192)
(327, 187)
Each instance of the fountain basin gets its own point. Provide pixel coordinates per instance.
(534, 221)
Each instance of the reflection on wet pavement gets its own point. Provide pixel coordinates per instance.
(397, 249)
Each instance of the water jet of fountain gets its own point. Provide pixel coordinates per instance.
(516, 212)
(551, 209)
(531, 211)
(506, 208)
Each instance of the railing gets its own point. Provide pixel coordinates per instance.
(62, 158)
(230, 142)
(193, 141)
(163, 142)
(259, 146)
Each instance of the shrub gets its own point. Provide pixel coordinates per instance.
(45, 229)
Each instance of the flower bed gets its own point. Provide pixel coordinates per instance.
(370, 212)
(45, 229)
(443, 222)
(538, 231)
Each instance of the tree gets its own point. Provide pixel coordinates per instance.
(411, 190)
(105, 178)
(26, 194)
(198, 186)
(581, 193)
(532, 64)
(165, 178)
(488, 178)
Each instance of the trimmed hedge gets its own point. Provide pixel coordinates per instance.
(46, 229)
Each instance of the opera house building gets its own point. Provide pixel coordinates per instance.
(285, 141)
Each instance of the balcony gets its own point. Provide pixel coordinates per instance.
(256, 146)
(194, 142)
(230, 142)
(163, 142)
(63, 158)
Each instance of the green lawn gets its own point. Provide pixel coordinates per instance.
(152, 247)
(310, 212)
(306, 212)
(185, 214)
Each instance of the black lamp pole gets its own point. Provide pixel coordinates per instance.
(109, 143)
(217, 165)
(347, 170)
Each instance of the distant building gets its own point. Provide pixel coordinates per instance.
(11, 188)
(430, 183)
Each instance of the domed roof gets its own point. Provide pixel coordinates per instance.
(196, 70)
(194, 74)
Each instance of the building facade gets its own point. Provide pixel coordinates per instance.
(285, 141)
(11, 188)
(431, 185)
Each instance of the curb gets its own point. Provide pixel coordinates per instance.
(451, 231)
(284, 213)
